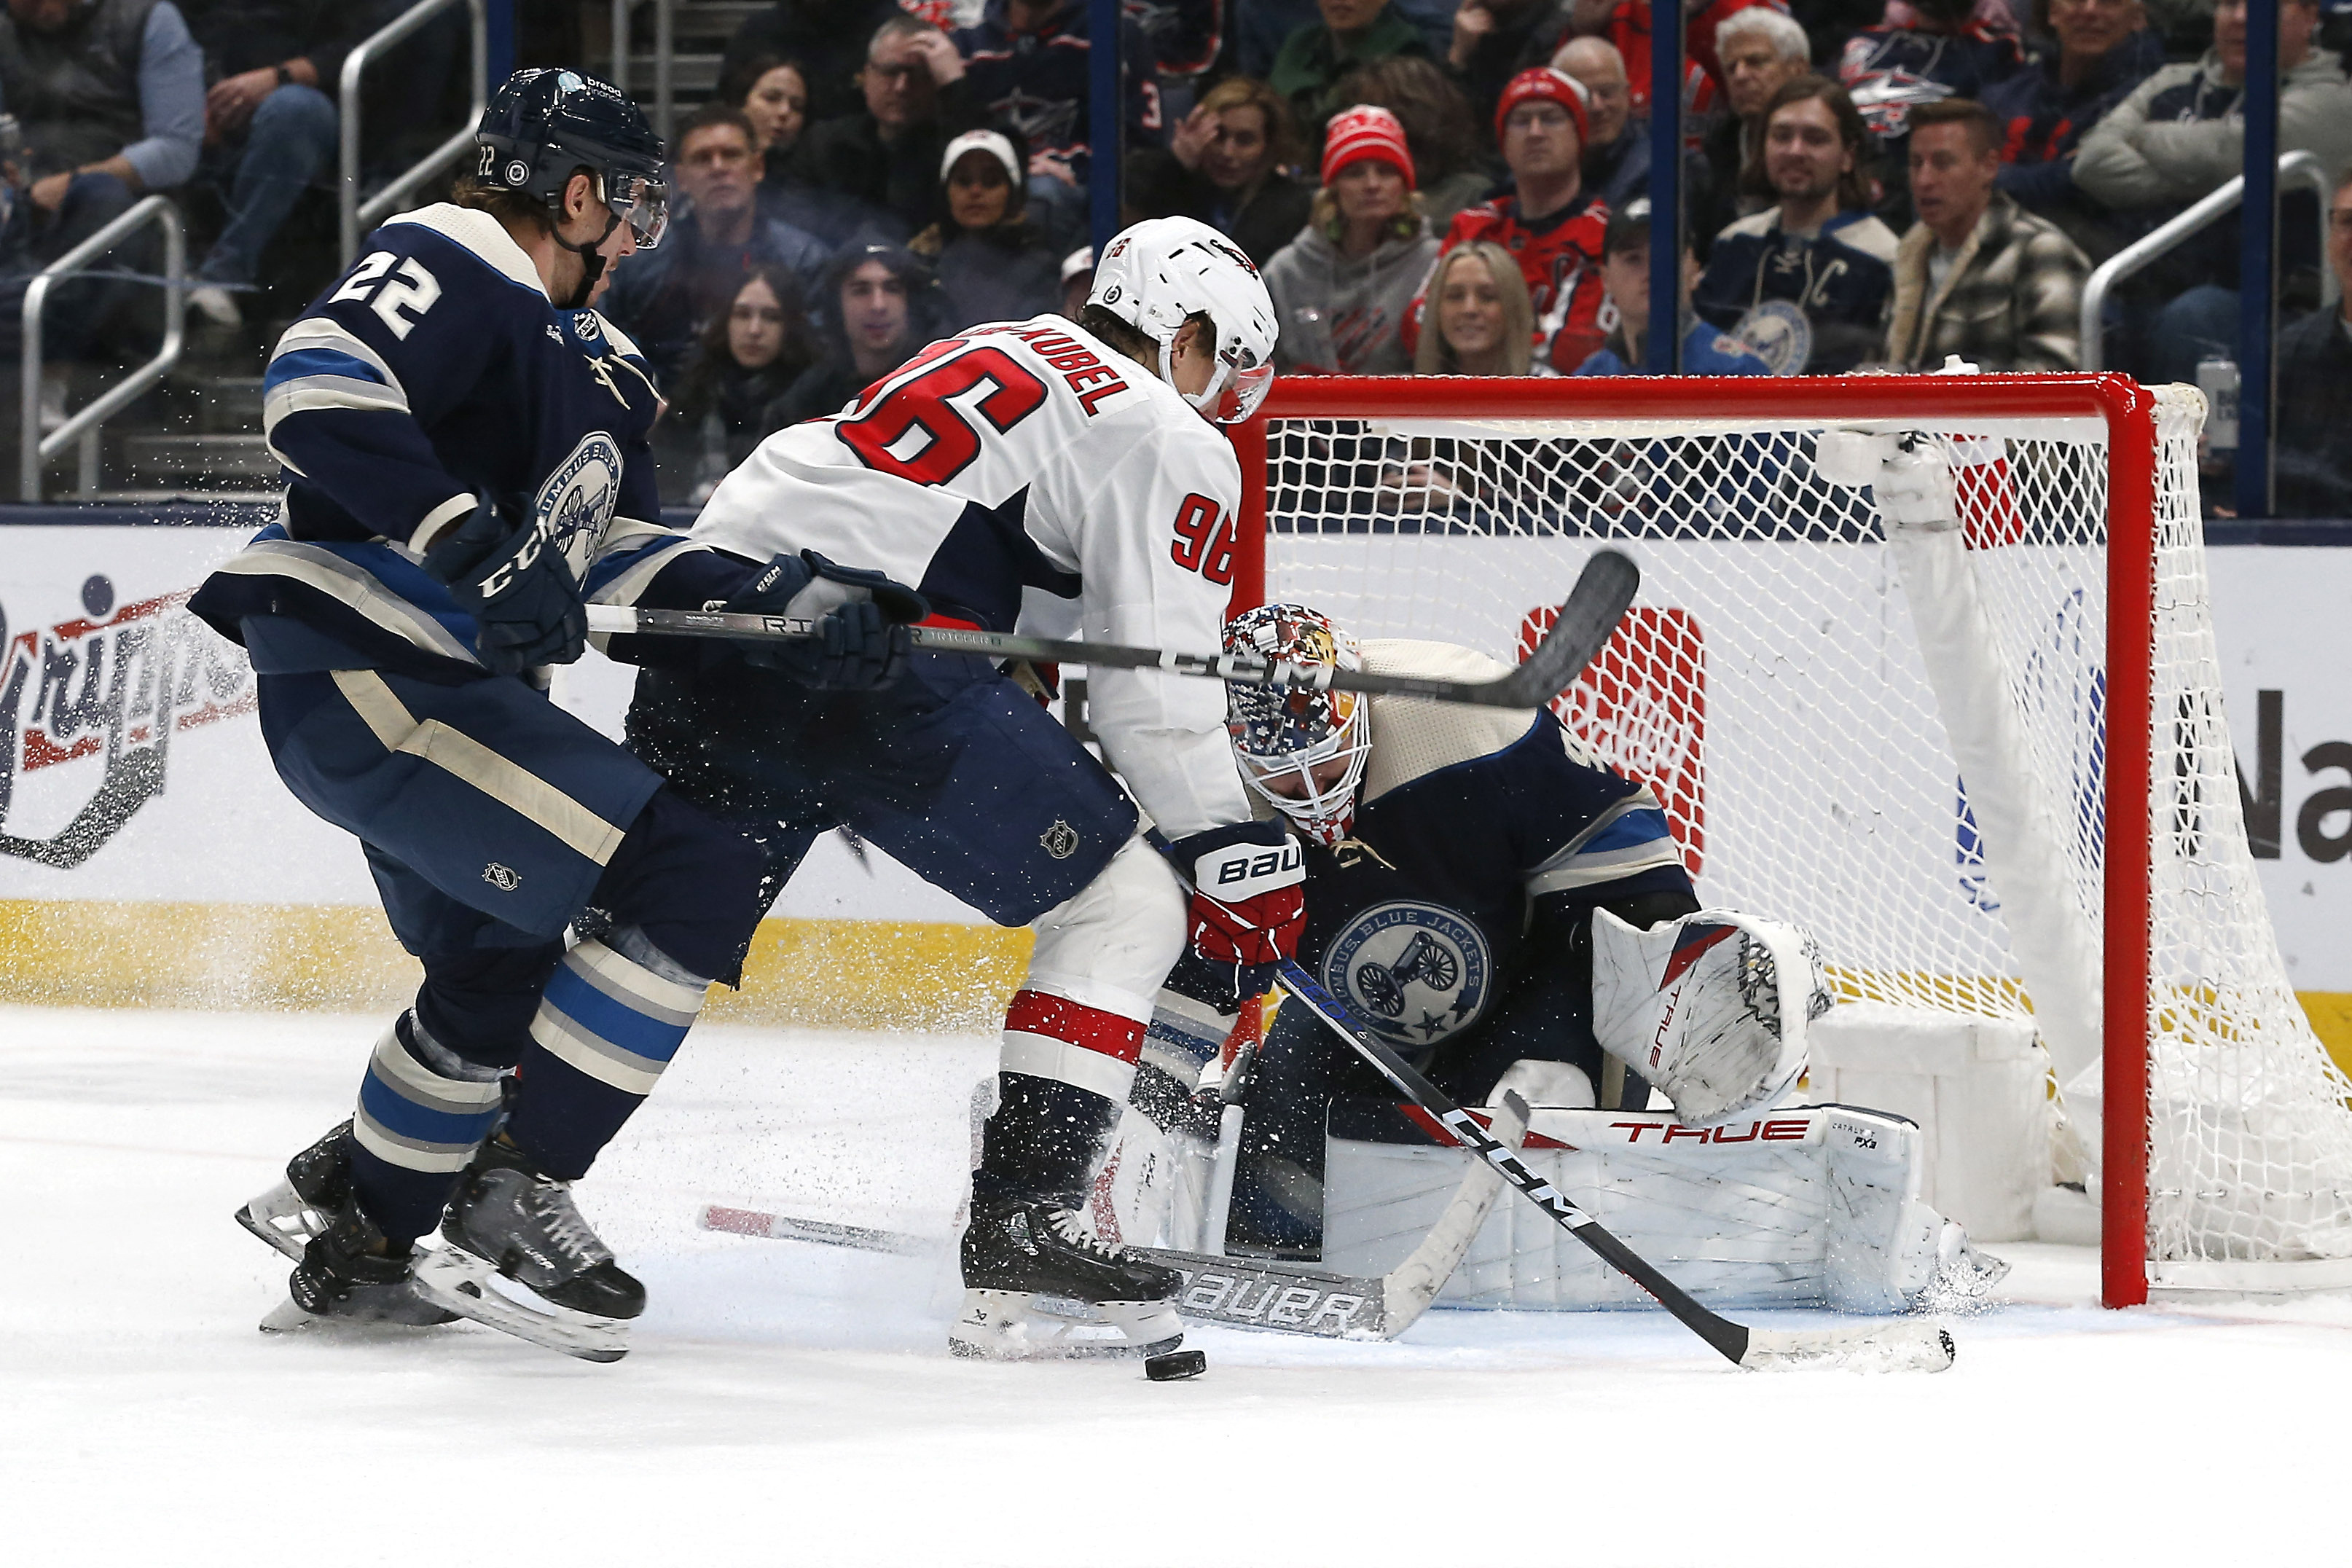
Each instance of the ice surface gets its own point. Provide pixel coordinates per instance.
(795, 1404)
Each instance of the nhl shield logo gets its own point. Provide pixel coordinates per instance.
(505, 878)
(1060, 841)
(1415, 972)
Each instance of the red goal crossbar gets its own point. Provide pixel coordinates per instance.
(2128, 411)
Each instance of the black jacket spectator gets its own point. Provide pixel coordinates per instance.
(886, 153)
(2312, 476)
(828, 37)
(2044, 121)
(992, 264)
(748, 356)
(253, 35)
(1946, 51)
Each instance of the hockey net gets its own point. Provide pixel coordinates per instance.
(1798, 690)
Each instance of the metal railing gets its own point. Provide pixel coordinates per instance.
(2303, 167)
(665, 47)
(359, 217)
(35, 449)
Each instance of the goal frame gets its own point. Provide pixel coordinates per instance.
(2128, 411)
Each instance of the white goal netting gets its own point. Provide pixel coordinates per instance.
(1772, 687)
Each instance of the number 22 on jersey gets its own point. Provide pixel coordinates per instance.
(411, 289)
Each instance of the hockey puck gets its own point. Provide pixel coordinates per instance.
(1175, 1366)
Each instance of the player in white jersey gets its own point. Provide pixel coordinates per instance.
(1038, 460)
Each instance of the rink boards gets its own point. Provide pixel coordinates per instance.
(216, 888)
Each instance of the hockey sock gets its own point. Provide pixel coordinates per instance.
(1066, 1071)
(422, 1111)
(612, 1015)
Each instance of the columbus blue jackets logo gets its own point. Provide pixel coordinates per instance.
(1415, 972)
(572, 507)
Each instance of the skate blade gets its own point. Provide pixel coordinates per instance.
(290, 1317)
(281, 1218)
(1014, 1325)
(459, 1282)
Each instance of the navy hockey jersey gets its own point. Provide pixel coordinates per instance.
(1842, 279)
(434, 371)
(1469, 819)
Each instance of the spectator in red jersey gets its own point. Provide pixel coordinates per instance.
(2104, 50)
(1342, 288)
(1547, 220)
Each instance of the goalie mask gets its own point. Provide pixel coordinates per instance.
(1159, 274)
(1284, 737)
(1713, 1009)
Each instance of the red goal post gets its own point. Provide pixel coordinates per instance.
(1549, 426)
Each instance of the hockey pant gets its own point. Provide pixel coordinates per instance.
(960, 777)
(491, 820)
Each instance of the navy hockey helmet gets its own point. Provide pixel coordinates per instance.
(544, 123)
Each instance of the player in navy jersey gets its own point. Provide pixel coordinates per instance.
(1072, 472)
(467, 465)
(1492, 900)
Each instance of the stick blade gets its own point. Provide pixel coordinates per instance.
(1908, 1344)
(1604, 593)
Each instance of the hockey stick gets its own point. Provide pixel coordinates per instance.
(1600, 599)
(1245, 1292)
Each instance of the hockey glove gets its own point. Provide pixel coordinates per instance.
(862, 618)
(512, 580)
(1712, 1008)
(1249, 898)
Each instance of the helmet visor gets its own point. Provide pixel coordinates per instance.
(1245, 389)
(643, 203)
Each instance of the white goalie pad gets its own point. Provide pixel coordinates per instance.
(1153, 1187)
(1711, 1007)
(1803, 1207)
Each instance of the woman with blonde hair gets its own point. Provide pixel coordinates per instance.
(1478, 308)
(1342, 288)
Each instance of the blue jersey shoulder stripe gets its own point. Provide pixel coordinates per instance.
(298, 363)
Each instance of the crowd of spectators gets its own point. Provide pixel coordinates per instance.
(1431, 186)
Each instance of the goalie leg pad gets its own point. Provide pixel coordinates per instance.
(1712, 1008)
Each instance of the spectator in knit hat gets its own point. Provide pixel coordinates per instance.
(1342, 288)
(1548, 219)
(992, 263)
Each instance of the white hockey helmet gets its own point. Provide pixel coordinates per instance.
(1157, 273)
(1287, 734)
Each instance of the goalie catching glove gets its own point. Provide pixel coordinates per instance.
(1712, 1008)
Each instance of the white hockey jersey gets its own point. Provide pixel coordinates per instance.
(1029, 455)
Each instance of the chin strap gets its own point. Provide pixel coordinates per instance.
(591, 256)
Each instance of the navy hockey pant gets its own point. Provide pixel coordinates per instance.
(960, 776)
(491, 820)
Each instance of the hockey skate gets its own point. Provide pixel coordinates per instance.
(347, 1277)
(521, 1258)
(318, 1184)
(1038, 1284)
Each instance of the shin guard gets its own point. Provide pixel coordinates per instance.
(422, 1111)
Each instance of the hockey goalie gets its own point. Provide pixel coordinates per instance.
(1511, 914)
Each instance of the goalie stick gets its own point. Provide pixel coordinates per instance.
(1245, 1292)
(1602, 592)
